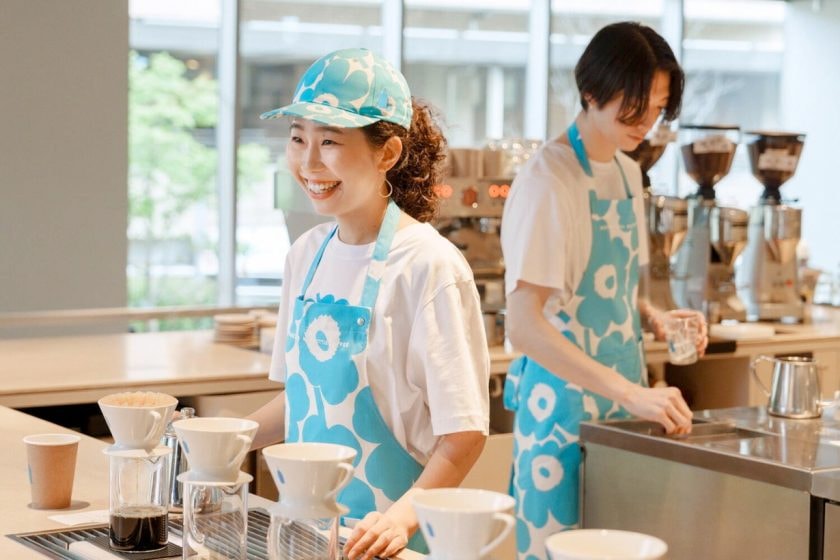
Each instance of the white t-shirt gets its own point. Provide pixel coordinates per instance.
(546, 226)
(427, 359)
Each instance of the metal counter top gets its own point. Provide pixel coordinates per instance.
(744, 441)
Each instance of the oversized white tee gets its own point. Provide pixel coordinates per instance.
(547, 225)
(427, 359)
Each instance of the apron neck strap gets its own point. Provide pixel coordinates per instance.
(377, 264)
(580, 152)
(576, 142)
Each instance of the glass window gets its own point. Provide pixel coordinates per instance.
(279, 40)
(173, 100)
(468, 59)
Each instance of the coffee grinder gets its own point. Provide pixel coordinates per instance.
(767, 276)
(702, 269)
(667, 219)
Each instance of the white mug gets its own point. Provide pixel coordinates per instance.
(463, 523)
(138, 419)
(215, 447)
(309, 475)
(604, 544)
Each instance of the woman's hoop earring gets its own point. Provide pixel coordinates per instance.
(390, 189)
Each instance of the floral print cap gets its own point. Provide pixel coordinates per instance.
(350, 88)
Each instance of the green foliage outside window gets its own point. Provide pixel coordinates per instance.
(172, 172)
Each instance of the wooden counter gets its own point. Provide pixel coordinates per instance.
(81, 369)
(90, 487)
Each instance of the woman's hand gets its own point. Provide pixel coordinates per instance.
(376, 535)
(663, 405)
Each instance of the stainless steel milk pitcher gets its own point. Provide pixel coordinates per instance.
(177, 461)
(794, 388)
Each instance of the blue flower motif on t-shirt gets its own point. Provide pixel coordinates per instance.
(546, 476)
(331, 334)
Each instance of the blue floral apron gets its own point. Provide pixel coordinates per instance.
(601, 319)
(328, 395)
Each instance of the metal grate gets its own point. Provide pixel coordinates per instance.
(53, 544)
(226, 540)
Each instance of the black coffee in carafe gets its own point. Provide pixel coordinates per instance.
(140, 528)
(138, 498)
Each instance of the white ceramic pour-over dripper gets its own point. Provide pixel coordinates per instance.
(137, 420)
(463, 523)
(586, 544)
(215, 447)
(309, 476)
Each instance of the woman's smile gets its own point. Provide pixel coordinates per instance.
(320, 189)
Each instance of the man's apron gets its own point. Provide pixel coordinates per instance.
(601, 318)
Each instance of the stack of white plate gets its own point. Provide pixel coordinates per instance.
(237, 329)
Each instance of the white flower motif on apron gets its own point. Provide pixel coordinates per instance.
(322, 337)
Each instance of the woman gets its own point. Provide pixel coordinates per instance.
(573, 238)
(380, 337)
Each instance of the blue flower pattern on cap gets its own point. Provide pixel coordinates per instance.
(350, 88)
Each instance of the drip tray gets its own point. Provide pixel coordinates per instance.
(54, 544)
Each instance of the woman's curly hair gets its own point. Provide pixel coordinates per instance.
(418, 170)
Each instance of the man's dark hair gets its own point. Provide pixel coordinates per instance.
(622, 58)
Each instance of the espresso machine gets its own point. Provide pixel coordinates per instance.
(767, 276)
(475, 185)
(667, 219)
(702, 268)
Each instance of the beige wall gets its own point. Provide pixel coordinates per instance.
(63, 153)
(810, 93)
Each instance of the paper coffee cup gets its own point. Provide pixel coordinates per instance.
(52, 467)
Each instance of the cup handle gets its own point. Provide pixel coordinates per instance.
(348, 474)
(157, 419)
(192, 536)
(508, 521)
(755, 373)
(240, 455)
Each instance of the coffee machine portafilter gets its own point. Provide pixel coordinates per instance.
(767, 277)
